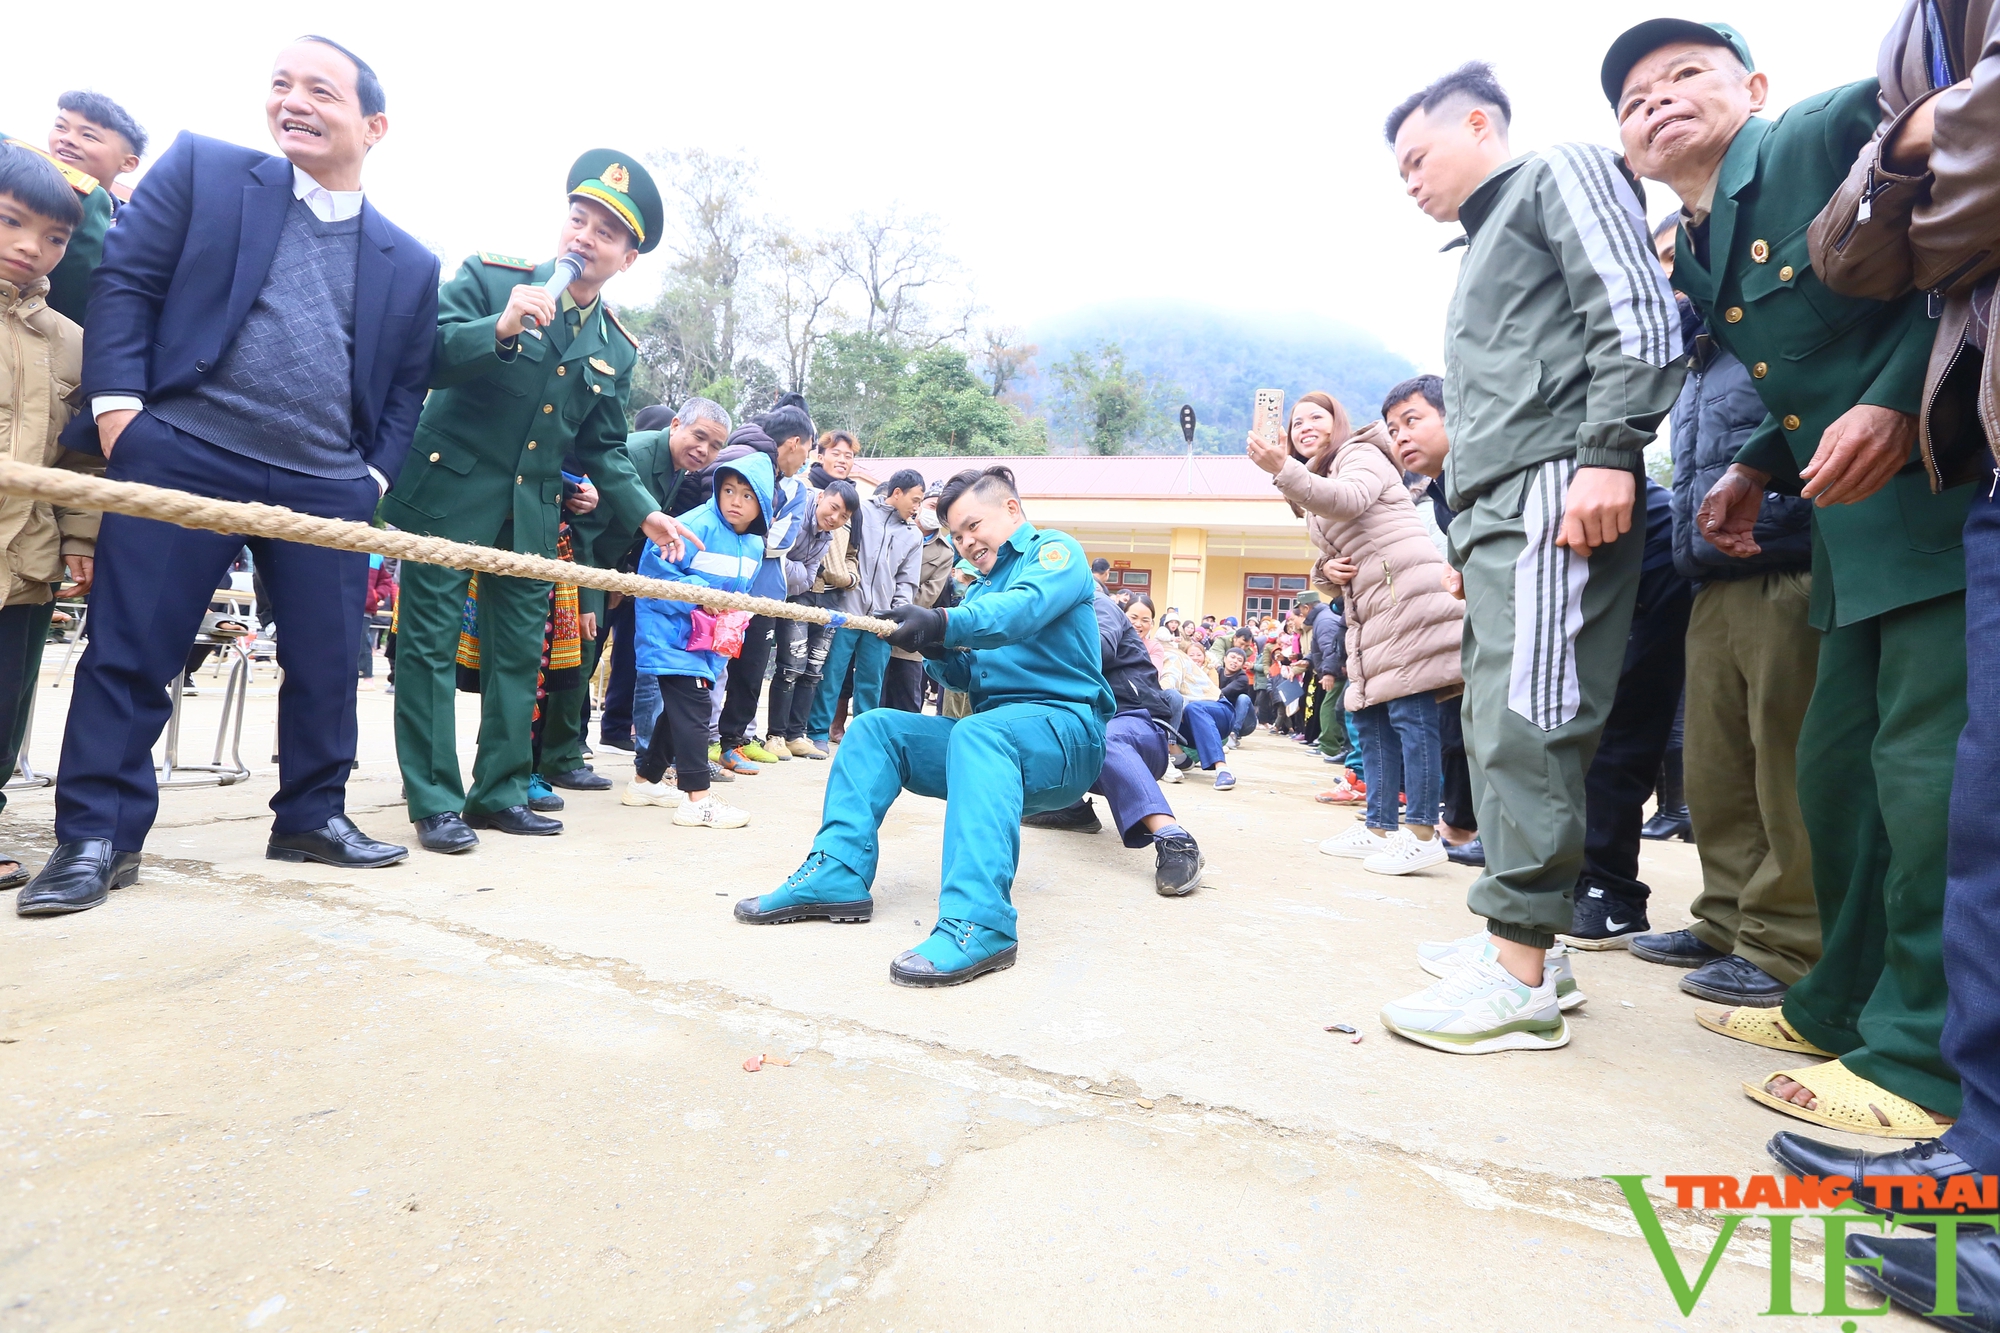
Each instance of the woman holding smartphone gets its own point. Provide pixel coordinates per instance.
(1403, 628)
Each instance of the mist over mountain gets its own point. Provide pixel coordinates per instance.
(1216, 360)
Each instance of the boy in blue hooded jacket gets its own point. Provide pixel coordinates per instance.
(726, 551)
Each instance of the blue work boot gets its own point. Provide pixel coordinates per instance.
(541, 796)
(957, 951)
(820, 888)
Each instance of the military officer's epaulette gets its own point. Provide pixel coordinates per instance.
(82, 182)
(620, 327)
(505, 261)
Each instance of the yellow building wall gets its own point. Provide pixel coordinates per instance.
(1222, 580)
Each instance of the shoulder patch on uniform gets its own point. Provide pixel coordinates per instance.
(612, 315)
(1053, 555)
(82, 182)
(505, 261)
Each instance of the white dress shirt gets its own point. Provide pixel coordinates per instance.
(328, 206)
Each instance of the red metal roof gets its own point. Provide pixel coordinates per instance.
(1156, 477)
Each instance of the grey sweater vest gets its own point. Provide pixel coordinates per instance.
(283, 391)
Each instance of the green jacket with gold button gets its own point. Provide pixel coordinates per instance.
(1814, 354)
(489, 447)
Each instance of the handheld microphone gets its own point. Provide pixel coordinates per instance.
(568, 269)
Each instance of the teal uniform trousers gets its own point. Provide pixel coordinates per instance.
(1024, 645)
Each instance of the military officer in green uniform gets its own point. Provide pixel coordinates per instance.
(520, 380)
(69, 284)
(1843, 379)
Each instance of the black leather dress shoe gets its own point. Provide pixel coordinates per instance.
(514, 819)
(446, 833)
(1471, 853)
(1908, 1276)
(624, 743)
(1735, 980)
(1078, 818)
(1801, 1156)
(338, 844)
(1675, 823)
(79, 875)
(578, 779)
(1675, 948)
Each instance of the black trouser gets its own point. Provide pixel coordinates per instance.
(681, 730)
(745, 689)
(903, 685)
(23, 632)
(1458, 811)
(1622, 775)
(615, 723)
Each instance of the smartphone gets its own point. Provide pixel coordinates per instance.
(1267, 417)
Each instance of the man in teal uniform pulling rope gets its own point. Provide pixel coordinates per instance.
(1023, 643)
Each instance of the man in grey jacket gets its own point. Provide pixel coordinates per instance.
(1562, 356)
(890, 556)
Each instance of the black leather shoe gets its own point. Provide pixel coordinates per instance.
(446, 833)
(1078, 818)
(1674, 823)
(1801, 1156)
(18, 876)
(1471, 853)
(1908, 1276)
(79, 875)
(544, 805)
(338, 844)
(578, 779)
(514, 819)
(1675, 948)
(1177, 865)
(624, 743)
(1735, 980)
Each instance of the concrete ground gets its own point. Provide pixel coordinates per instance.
(508, 1089)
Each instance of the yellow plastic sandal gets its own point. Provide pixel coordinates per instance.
(1761, 1027)
(1849, 1102)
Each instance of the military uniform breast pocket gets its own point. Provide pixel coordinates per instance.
(1790, 303)
(524, 375)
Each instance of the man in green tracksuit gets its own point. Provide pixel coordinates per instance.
(1562, 356)
(511, 398)
(1843, 379)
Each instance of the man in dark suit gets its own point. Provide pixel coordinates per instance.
(257, 332)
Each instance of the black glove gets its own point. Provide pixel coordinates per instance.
(917, 627)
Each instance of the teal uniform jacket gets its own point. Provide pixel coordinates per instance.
(1026, 633)
(1814, 354)
(489, 448)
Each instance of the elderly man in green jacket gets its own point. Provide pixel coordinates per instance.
(521, 380)
(1843, 378)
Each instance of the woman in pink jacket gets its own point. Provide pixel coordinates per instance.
(1403, 628)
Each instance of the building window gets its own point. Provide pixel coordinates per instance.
(1270, 595)
(1118, 576)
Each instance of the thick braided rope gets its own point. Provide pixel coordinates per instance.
(78, 490)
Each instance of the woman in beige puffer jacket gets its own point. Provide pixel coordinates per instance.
(1403, 628)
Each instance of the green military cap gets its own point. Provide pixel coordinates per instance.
(617, 181)
(1640, 41)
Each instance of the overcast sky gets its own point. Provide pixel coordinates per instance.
(1076, 153)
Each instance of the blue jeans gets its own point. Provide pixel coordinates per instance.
(1203, 724)
(1405, 755)
(1246, 716)
(645, 708)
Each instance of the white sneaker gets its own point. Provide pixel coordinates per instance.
(1359, 842)
(710, 812)
(638, 792)
(1171, 775)
(1441, 958)
(1480, 1008)
(1406, 852)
